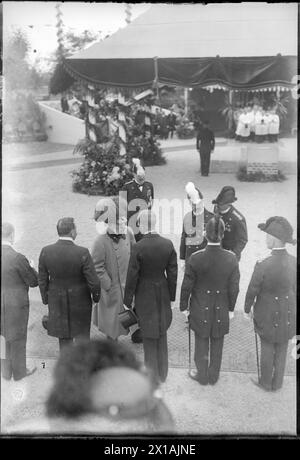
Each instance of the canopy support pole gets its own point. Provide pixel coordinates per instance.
(156, 78)
(186, 98)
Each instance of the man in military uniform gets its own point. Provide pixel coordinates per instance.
(140, 195)
(272, 293)
(236, 235)
(192, 237)
(209, 290)
(205, 145)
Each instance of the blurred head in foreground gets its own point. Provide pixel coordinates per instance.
(104, 378)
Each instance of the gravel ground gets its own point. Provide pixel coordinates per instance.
(33, 200)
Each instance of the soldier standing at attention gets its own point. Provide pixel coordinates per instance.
(235, 236)
(205, 145)
(192, 237)
(272, 293)
(209, 290)
(140, 195)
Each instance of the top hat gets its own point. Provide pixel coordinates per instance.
(280, 228)
(226, 196)
(127, 318)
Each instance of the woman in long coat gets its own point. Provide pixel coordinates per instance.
(111, 252)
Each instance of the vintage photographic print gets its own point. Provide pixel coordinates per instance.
(149, 222)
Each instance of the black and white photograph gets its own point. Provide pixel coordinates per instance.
(149, 222)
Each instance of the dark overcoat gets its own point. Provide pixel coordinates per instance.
(235, 235)
(192, 236)
(68, 281)
(16, 278)
(272, 291)
(210, 288)
(152, 278)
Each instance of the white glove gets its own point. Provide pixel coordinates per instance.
(182, 263)
(172, 305)
(31, 263)
(125, 307)
(231, 314)
(186, 313)
(248, 316)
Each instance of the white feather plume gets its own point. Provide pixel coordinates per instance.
(136, 162)
(192, 193)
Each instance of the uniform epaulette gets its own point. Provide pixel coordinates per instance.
(197, 252)
(130, 182)
(230, 252)
(239, 216)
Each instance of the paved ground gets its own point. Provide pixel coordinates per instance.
(224, 159)
(34, 199)
(233, 406)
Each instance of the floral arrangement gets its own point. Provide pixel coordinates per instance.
(103, 171)
(185, 129)
(108, 153)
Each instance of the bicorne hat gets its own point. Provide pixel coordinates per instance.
(280, 228)
(226, 196)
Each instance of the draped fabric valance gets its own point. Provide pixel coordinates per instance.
(233, 73)
(239, 46)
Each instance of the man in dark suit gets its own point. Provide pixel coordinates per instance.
(67, 281)
(172, 123)
(236, 235)
(272, 293)
(209, 291)
(139, 196)
(151, 279)
(17, 276)
(192, 236)
(205, 145)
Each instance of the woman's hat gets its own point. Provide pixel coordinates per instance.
(109, 209)
(280, 228)
(226, 196)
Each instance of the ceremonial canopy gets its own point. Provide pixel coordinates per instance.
(237, 46)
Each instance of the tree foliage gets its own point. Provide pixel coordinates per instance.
(19, 74)
(74, 42)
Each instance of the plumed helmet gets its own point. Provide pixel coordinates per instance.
(137, 166)
(280, 228)
(193, 193)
